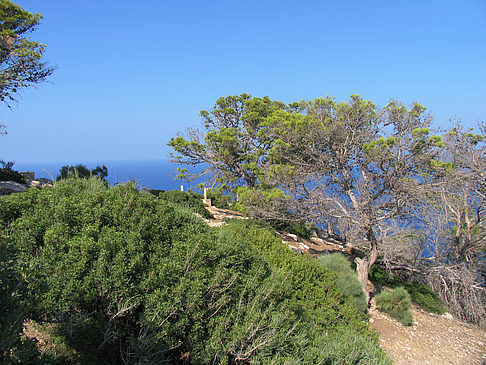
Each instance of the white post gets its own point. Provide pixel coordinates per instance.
(182, 187)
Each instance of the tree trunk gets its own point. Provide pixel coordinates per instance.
(363, 265)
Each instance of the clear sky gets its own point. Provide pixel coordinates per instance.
(131, 74)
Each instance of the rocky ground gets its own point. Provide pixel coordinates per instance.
(432, 340)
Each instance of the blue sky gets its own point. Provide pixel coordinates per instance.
(131, 74)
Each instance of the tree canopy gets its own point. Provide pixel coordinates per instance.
(361, 171)
(82, 171)
(233, 145)
(21, 62)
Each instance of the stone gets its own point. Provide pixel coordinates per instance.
(447, 316)
(9, 187)
(41, 182)
(29, 176)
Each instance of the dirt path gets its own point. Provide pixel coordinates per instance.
(433, 339)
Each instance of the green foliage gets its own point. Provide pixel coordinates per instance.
(187, 200)
(131, 278)
(234, 144)
(421, 294)
(8, 174)
(156, 192)
(424, 297)
(397, 304)
(20, 58)
(15, 302)
(383, 277)
(346, 279)
(298, 228)
(81, 171)
(346, 348)
(219, 200)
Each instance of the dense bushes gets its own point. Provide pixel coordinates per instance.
(300, 229)
(421, 294)
(122, 276)
(11, 175)
(14, 297)
(219, 200)
(397, 304)
(81, 171)
(184, 199)
(347, 279)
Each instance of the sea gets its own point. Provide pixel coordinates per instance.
(152, 174)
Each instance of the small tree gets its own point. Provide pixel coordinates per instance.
(82, 171)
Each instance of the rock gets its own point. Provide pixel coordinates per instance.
(293, 236)
(29, 176)
(9, 187)
(41, 182)
(447, 316)
(303, 245)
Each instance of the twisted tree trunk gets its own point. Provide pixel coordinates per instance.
(363, 265)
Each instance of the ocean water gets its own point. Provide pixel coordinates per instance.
(153, 174)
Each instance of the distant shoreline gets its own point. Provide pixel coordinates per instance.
(153, 174)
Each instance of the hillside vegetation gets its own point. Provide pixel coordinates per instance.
(113, 275)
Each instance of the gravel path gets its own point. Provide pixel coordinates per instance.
(433, 339)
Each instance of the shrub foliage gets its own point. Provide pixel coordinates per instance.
(421, 294)
(347, 280)
(124, 277)
(397, 304)
(7, 174)
(185, 199)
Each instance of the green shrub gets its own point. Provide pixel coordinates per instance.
(397, 304)
(300, 229)
(219, 200)
(424, 297)
(421, 294)
(383, 277)
(11, 175)
(156, 192)
(187, 200)
(347, 280)
(346, 348)
(129, 278)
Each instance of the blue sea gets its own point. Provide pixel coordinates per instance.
(153, 174)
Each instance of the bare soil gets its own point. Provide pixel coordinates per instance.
(433, 339)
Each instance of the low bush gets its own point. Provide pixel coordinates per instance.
(383, 277)
(11, 175)
(186, 199)
(347, 348)
(219, 200)
(300, 229)
(421, 294)
(347, 280)
(424, 297)
(397, 304)
(156, 192)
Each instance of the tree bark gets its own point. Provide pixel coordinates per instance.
(363, 265)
